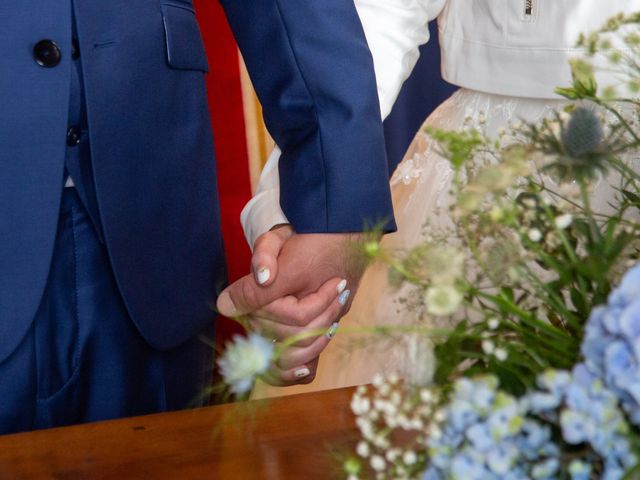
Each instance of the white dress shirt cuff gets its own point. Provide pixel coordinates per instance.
(261, 214)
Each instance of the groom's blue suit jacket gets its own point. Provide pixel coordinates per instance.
(151, 144)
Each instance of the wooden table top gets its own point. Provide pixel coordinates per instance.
(285, 438)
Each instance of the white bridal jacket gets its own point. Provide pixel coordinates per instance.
(507, 47)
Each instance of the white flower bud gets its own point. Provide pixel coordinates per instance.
(440, 416)
(362, 449)
(360, 405)
(393, 454)
(534, 235)
(488, 347)
(563, 221)
(426, 395)
(500, 354)
(434, 431)
(384, 389)
(378, 380)
(493, 323)
(378, 463)
(409, 457)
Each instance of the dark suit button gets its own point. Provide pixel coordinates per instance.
(47, 53)
(73, 136)
(75, 49)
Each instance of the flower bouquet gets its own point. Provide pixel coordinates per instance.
(540, 376)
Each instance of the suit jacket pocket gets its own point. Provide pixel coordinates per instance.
(185, 50)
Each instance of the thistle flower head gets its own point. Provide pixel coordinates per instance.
(583, 133)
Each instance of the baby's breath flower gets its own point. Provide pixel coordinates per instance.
(434, 431)
(366, 428)
(409, 457)
(360, 405)
(378, 463)
(534, 235)
(493, 323)
(426, 395)
(362, 449)
(393, 454)
(384, 389)
(377, 380)
(563, 221)
(488, 347)
(500, 354)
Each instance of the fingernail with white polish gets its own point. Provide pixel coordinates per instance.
(303, 372)
(341, 286)
(332, 330)
(344, 297)
(263, 275)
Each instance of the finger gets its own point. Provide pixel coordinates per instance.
(245, 295)
(292, 311)
(322, 324)
(300, 375)
(294, 356)
(264, 262)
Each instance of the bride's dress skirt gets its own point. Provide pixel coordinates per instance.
(420, 188)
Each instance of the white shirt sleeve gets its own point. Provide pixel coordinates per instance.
(394, 29)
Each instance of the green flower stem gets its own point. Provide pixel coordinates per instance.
(555, 300)
(593, 226)
(379, 330)
(524, 316)
(518, 330)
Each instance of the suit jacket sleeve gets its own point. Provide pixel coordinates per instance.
(394, 30)
(313, 72)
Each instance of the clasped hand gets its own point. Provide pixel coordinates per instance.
(300, 283)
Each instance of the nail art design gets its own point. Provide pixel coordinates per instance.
(263, 275)
(332, 330)
(341, 286)
(303, 372)
(344, 297)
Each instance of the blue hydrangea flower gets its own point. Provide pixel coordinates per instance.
(580, 470)
(486, 435)
(611, 346)
(589, 414)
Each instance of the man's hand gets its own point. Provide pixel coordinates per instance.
(308, 286)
